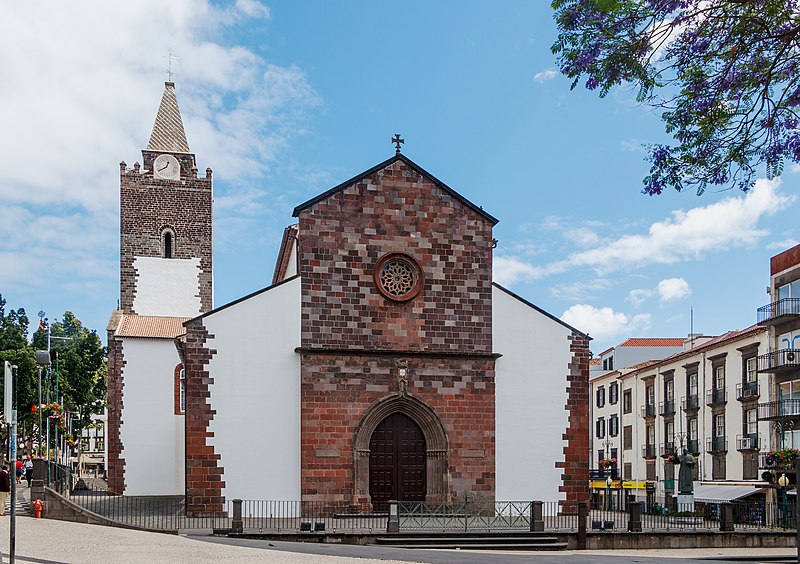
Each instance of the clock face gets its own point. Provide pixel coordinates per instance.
(166, 167)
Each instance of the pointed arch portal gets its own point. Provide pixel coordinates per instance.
(400, 450)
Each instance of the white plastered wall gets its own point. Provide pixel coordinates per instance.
(152, 435)
(531, 396)
(256, 394)
(168, 287)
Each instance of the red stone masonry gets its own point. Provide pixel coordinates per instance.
(395, 209)
(784, 261)
(338, 389)
(148, 206)
(115, 463)
(575, 476)
(203, 472)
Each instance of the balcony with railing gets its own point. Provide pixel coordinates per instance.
(691, 402)
(693, 446)
(747, 391)
(716, 444)
(716, 396)
(778, 312)
(666, 407)
(785, 408)
(649, 410)
(667, 449)
(748, 441)
(782, 360)
(648, 451)
(603, 473)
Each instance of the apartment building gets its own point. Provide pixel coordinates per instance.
(780, 404)
(705, 399)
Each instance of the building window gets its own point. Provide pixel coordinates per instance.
(650, 394)
(719, 377)
(751, 422)
(627, 471)
(613, 426)
(605, 364)
(601, 455)
(719, 425)
(627, 437)
(600, 428)
(611, 363)
(627, 403)
(601, 396)
(750, 466)
(614, 456)
(651, 470)
(398, 277)
(691, 383)
(669, 434)
(180, 390)
(167, 242)
(717, 467)
(669, 390)
(751, 370)
(613, 393)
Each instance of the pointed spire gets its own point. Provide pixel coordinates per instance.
(168, 133)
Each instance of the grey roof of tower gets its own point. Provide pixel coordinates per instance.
(168, 133)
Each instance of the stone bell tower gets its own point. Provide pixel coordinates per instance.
(165, 224)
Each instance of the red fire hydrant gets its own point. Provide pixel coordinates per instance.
(37, 506)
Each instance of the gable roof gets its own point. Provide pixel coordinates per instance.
(168, 134)
(399, 157)
(540, 310)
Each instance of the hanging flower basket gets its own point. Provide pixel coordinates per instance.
(672, 459)
(782, 457)
(605, 463)
(49, 410)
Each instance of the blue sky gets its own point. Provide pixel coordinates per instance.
(284, 100)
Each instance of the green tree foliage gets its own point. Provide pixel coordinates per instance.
(78, 372)
(724, 73)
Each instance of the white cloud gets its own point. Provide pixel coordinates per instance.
(545, 75)
(508, 270)
(604, 322)
(783, 245)
(671, 289)
(581, 290)
(638, 296)
(84, 99)
(730, 223)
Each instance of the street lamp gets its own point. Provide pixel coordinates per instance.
(783, 482)
(609, 481)
(42, 359)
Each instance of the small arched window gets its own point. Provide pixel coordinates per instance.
(167, 243)
(180, 390)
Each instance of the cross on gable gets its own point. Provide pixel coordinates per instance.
(397, 142)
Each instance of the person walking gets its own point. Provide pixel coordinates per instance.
(5, 488)
(28, 470)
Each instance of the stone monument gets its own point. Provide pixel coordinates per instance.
(686, 481)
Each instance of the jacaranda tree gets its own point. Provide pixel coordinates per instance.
(724, 73)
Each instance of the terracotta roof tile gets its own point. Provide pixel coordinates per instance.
(594, 362)
(653, 342)
(151, 326)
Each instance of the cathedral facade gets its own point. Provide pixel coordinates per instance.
(382, 362)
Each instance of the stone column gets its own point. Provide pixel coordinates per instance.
(537, 516)
(438, 489)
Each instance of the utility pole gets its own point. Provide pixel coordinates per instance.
(10, 415)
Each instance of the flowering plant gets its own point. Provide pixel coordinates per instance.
(607, 462)
(783, 456)
(49, 409)
(672, 459)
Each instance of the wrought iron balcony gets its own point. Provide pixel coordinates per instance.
(649, 410)
(779, 361)
(690, 402)
(667, 449)
(787, 408)
(603, 473)
(748, 441)
(747, 391)
(716, 396)
(716, 444)
(666, 407)
(777, 312)
(648, 451)
(693, 446)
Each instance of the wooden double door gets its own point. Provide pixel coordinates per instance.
(396, 462)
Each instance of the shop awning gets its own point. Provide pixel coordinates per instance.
(716, 492)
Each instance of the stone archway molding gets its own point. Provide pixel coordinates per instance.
(436, 464)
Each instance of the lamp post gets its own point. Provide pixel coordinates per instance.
(783, 482)
(42, 359)
(609, 481)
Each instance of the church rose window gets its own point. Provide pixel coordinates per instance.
(398, 277)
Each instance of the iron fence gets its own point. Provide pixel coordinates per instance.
(308, 516)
